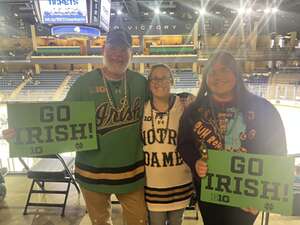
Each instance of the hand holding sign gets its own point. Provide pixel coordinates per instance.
(9, 134)
(253, 211)
(201, 168)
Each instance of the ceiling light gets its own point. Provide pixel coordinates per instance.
(274, 10)
(267, 10)
(241, 11)
(119, 12)
(249, 10)
(156, 11)
(202, 11)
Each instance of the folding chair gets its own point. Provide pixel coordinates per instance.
(50, 168)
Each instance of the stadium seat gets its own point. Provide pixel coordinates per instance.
(51, 168)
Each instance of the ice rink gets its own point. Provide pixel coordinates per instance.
(290, 116)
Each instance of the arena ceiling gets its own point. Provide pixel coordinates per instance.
(19, 13)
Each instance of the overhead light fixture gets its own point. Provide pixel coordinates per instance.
(164, 12)
(274, 10)
(241, 11)
(249, 11)
(267, 10)
(156, 11)
(202, 11)
(119, 12)
(171, 13)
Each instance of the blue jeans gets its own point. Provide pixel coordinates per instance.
(166, 218)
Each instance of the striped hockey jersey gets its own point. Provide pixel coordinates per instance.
(168, 179)
(117, 165)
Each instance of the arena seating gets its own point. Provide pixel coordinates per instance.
(8, 82)
(96, 50)
(185, 79)
(57, 51)
(172, 49)
(286, 77)
(256, 78)
(41, 87)
(15, 54)
(70, 82)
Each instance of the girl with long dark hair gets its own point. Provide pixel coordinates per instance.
(233, 120)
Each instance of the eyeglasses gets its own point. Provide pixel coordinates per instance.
(165, 80)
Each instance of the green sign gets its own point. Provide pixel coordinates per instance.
(50, 128)
(244, 180)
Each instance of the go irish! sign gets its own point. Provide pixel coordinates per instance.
(50, 128)
(263, 182)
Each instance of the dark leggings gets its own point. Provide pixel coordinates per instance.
(213, 214)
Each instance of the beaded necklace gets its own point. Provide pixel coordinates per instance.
(221, 123)
(124, 101)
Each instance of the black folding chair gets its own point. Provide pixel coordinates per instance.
(52, 169)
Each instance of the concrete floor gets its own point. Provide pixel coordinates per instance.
(11, 210)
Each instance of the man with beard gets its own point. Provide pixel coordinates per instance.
(117, 165)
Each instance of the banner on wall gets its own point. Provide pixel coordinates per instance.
(164, 26)
(50, 128)
(263, 182)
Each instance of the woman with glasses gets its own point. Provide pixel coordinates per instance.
(168, 180)
(234, 120)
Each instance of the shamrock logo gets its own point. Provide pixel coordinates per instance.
(79, 145)
(268, 206)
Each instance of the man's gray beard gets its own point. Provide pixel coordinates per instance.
(110, 67)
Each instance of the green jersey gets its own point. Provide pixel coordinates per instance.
(117, 165)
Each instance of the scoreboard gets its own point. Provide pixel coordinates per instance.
(94, 13)
(63, 11)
